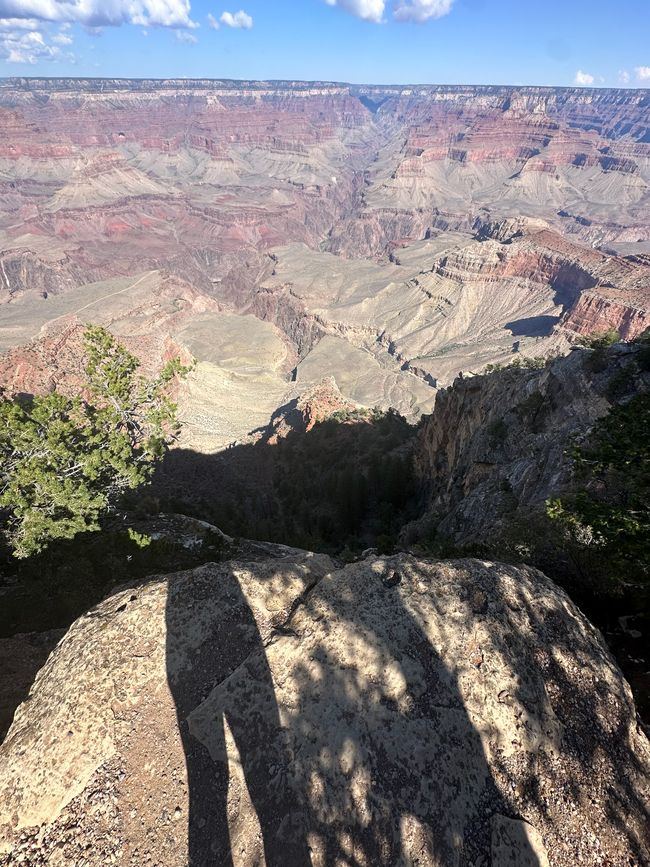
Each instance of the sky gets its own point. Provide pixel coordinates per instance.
(588, 43)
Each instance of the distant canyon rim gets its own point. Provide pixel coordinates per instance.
(286, 232)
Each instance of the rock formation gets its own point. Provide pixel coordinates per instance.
(498, 443)
(279, 709)
(388, 237)
(314, 405)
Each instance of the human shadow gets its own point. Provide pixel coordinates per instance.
(348, 728)
(348, 719)
(204, 647)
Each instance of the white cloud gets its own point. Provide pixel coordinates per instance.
(422, 10)
(62, 38)
(405, 10)
(7, 24)
(642, 73)
(21, 41)
(186, 36)
(623, 76)
(368, 10)
(583, 79)
(212, 21)
(98, 13)
(240, 20)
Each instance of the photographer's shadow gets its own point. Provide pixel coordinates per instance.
(210, 632)
(342, 772)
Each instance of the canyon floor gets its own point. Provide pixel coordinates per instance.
(285, 232)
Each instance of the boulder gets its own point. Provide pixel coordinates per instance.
(283, 711)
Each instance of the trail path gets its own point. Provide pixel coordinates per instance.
(102, 298)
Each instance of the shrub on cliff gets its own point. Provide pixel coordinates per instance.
(611, 512)
(599, 342)
(65, 461)
(643, 355)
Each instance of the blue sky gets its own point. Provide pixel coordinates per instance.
(552, 42)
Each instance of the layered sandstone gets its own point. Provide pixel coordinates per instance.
(389, 237)
(244, 164)
(600, 310)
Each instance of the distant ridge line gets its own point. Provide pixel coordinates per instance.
(86, 83)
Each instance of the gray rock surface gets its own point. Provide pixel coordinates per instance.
(284, 711)
(498, 443)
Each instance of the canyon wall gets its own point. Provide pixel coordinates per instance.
(496, 446)
(389, 237)
(236, 165)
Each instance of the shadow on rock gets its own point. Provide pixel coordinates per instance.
(199, 654)
(338, 734)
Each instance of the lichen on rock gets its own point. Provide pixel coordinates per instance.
(279, 709)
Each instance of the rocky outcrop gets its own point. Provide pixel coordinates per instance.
(593, 312)
(497, 443)
(316, 404)
(277, 709)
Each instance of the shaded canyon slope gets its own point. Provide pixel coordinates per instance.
(498, 446)
(283, 232)
(276, 708)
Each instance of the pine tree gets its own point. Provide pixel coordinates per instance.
(65, 461)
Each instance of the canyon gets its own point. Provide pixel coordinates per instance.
(286, 232)
(385, 295)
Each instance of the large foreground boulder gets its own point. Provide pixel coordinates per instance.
(282, 711)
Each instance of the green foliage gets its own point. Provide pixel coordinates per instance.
(611, 512)
(600, 339)
(142, 540)
(356, 414)
(65, 461)
(598, 342)
(521, 362)
(524, 362)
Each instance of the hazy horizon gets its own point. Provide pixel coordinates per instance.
(325, 82)
(383, 42)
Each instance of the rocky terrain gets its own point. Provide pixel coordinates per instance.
(388, 237)
(328, 254)
(498, 444)
(277, 708)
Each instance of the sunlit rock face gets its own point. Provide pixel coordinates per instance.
(193, 172)
(276, 709)
(387, 237)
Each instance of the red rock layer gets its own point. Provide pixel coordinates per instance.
(593, 312)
